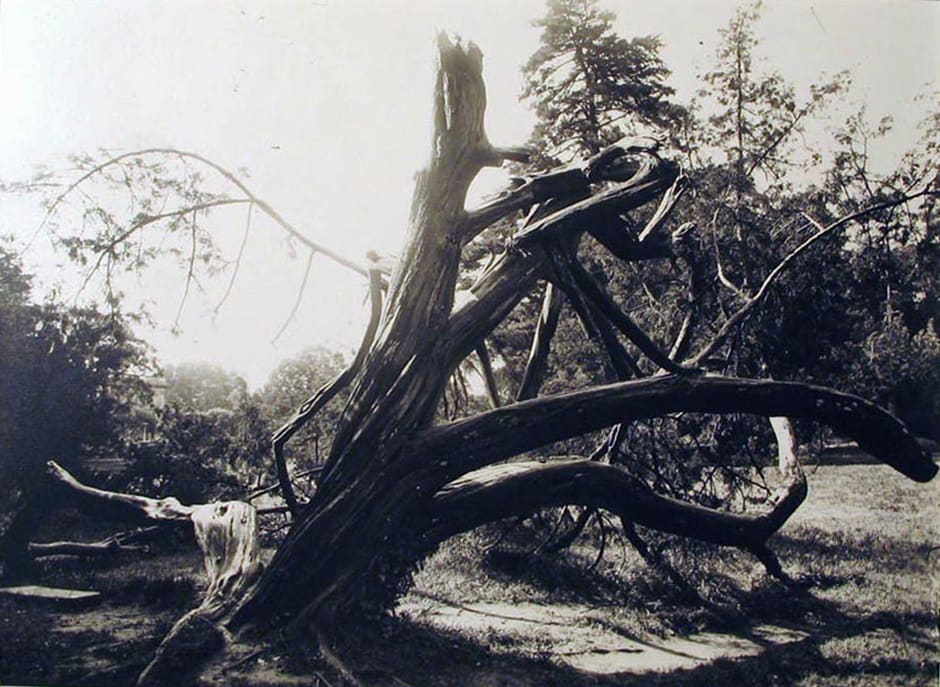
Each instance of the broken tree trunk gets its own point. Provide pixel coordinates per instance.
(226, 532)
(377, 509)
(394, 485)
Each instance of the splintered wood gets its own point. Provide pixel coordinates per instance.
(226, 532)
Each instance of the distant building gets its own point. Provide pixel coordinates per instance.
(142, 429)
(158, 386)
(145, 416)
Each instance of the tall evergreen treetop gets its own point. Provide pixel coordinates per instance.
(589, 86)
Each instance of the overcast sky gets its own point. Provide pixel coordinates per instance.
(326, 105)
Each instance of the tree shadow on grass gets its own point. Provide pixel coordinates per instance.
(411, 652)
(860, 641)
(843, 645)
(829, 549)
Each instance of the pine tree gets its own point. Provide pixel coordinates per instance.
(589, 86)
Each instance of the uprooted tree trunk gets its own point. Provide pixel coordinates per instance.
(395, 485)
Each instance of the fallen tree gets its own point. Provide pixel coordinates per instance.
(396, 484)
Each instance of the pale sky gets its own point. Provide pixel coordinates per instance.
(327, 104)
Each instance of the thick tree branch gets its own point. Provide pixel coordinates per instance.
(567, 182)
(608, 309)
(516, 271)
(501, 491)
(489, 378)
(124, 507)
(652, 178)
(545, 328)
(666, 205)
(597, 327)
(499, 434)
(513, 489)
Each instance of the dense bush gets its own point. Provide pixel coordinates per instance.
(200, 456)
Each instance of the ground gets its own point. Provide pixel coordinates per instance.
(486, 611)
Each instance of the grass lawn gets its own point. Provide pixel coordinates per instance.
(492, 613)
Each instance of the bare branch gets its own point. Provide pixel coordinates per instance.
(249, 197)
(758, 297)
(190, 275)
(475, 442)
(122, 541)
(238, 260)
(107, 251)
(513, 153)
(722, 277)
(324, 395)
(274, 486)
(300, 294)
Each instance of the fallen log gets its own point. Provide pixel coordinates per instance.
(105, 547)
(116, 543)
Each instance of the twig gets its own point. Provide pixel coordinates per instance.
(189, 272)
(299, 298)
(238, 260)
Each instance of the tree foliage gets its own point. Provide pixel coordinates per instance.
(199, 457)
(70, 377)
(204, 386)
(748, 166)
(590, 87)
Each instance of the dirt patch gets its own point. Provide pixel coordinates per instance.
(585, 639)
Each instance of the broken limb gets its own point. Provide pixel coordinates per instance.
(325, 394)
(552, 418)
(117, 543)
(226, 533)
